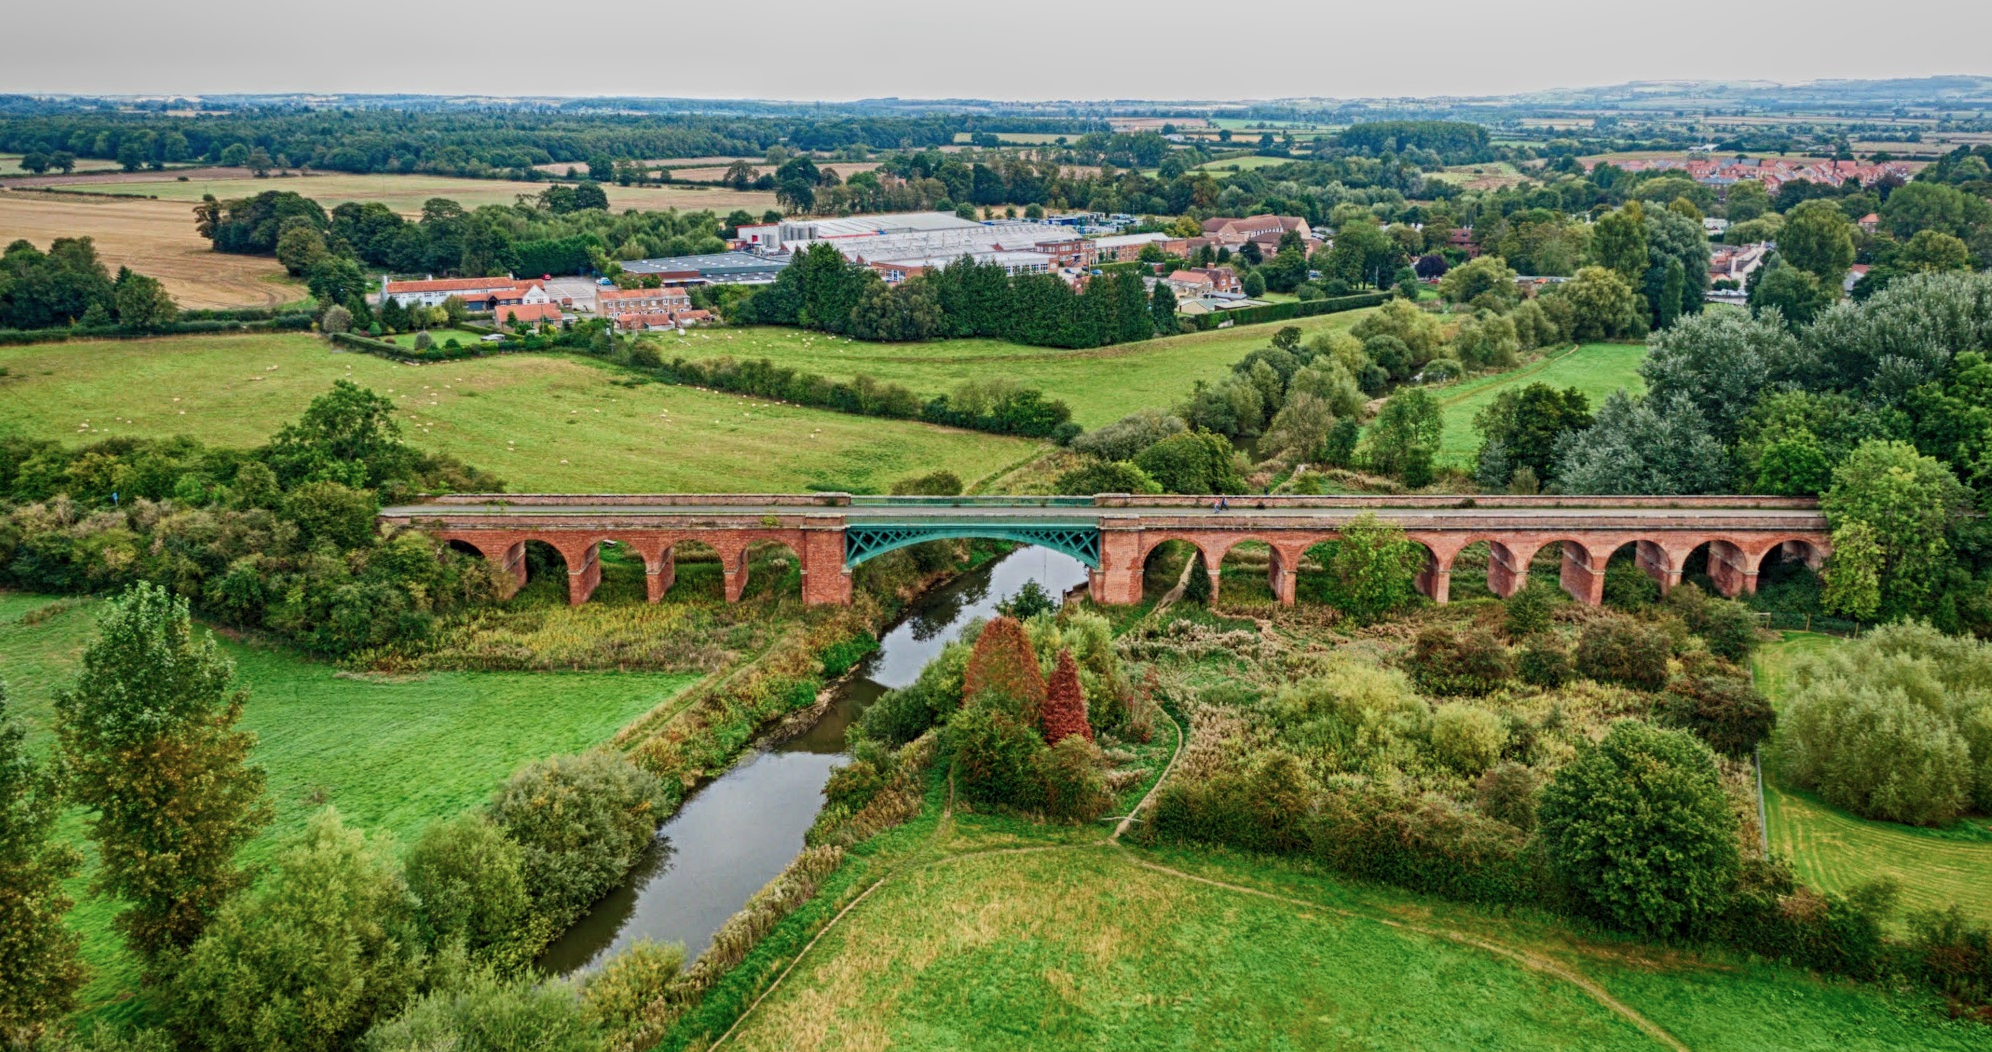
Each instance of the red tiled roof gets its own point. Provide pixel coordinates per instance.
(507, 313)
(457, 285)
(613, 295)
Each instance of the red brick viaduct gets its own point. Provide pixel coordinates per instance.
(1114, 533)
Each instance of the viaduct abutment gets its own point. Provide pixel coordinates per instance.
(1114, 534)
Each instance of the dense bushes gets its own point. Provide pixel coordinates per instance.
(1640, 828)
(1618, 649)
(997, 406)
(1897, 725)
(470, 881)
(310, 958)
(1472, 663)
(484, 1013)
(580, 823)
(280, 538)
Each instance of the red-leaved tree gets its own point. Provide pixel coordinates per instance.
(1003, 664)
(1065, 703)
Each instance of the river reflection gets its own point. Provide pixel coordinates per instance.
(736, 833)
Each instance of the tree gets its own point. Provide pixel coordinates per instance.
(1405, 436)
(1621, 650)
(1102, 476)
(485, 1013)
(324, 946)
(1639, 826)
(1065, 703)
(1746, 200)
(1642, 447)
(580, 823)
(1162, 309)
(469, 883)
(1720, 363)
(346, 435)
(1192, 462)
(1520, 429)
(1486, 276)
(299, 245)
(1618, 243)
(1932, 251)
(131, 156)
(1601, 302)
(142, 302)
(1853, 572)
(1818, 238)
(149, 735)
(1003, 672)
(1911, 503)
(1797, 296)
(1723, 710)
(40, 969)
(1372, 570)
(1362, 255)
(336, 279)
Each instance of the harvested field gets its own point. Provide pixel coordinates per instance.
(151, 237)
(112, 175)
(406, 193)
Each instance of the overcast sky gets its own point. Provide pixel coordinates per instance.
(1012, 49)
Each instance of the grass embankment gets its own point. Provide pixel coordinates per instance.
(541, 422)
(1101, 385)
(1596, 369)
(390, 754)
(1835, 851)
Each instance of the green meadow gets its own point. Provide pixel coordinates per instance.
(543, 423)
(391, 754)
(1597, 369)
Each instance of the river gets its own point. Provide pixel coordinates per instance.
(737, 832)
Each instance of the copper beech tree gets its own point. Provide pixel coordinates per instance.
(1065, 703)
(1004, 664)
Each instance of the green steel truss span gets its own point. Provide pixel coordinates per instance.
(864, 540)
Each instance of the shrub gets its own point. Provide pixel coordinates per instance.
(489, 1014)
(1258, 804)
(337, 319)
(468, 881)
(580, 822)
(1373, 570)
(996, 758)
(1955, 956)
(310, 958)
(1725, 625)
(1467, 739)
(1118, 476)
(1543, 663)
(1472, 663)
(1074, 780)
(1620, 650)
(1639, 827)
(1192, 462)
(1507, 793)
(932, 484)
(1627, 587)
(1029, 601)
(1723, 710)
(622, 997)
(1528, 610)
(1129, 435)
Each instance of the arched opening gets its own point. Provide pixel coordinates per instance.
(774, 572)
(545, 575)
(1163, 567)
(1572, 565)
(1245, 574)
(1474, 570)
(1719, 567)
(1788, 577)
(624, 573)
(697, 574)
(1635, 575)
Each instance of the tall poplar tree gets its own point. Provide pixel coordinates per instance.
(149, 732)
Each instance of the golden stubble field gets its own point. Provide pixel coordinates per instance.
(152, 237)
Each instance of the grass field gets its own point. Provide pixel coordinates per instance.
(1242, 164)
(1101, 385)
(1060, 946)
(1597, 369)
(391, 755)
(543, 423)
(152, 237)
(406, 193)
(10, 164)
(1835, 851)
